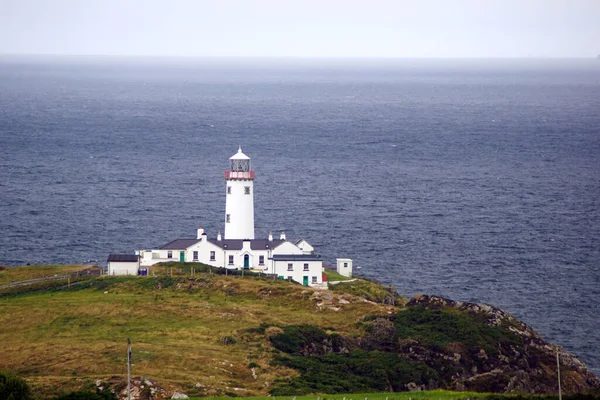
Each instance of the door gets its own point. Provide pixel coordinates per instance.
(182, 256)
(305, 281)
(246, 261)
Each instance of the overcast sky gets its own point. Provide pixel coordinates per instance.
(303, 28)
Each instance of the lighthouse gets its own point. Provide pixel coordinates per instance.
(237, 248)
(239, 203)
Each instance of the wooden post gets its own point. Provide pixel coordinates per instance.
(558, 374)
(128, 369)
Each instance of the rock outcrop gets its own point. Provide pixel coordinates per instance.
(528, 366)
(434, 343)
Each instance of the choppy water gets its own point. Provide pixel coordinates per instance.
(477, 180)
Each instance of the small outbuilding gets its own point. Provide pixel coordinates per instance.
(123, 264)
(344, 267)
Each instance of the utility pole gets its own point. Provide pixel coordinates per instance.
(558, 374)
(128, 369)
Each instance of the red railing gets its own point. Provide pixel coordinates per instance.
(240, 174)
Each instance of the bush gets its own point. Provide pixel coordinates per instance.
(13, 388)
(82, 395)
(357, 372)
(228, 340)
(307, 340)
(327, 365)
(440, 327)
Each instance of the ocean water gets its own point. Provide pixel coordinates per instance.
(477, 180)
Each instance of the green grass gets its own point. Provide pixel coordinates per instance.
(333, 276)
(65, 338)
(17, 274)
(419, 395)
(369, 290)
(50, 285)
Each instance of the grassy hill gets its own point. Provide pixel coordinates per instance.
(200, 332)
(185, 330)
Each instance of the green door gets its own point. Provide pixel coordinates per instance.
(182, 256)
(246, 261)
(305, 281)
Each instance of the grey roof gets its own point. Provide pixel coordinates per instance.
(123, 257)
(296, 257)
(179, 244)
(255, 244)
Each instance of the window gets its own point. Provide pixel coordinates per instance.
(169, 254)
(230, 260)
(246, 189)
(228, 189)
(290, 267)
(261, 260)
(314, 279)
(212, 256)
(228, 218)
(345, 265)
(289, 278)
(195, 256)
(306, 267)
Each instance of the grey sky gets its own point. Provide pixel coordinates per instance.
(303, 28)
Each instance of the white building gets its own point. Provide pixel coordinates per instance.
(123, 264)
(344, 267)
(239, 249)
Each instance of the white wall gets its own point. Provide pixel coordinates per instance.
(240, 208)
(315, 269)
(204, 247)
(123, 268)
(151, 257)
(287, 248)
(344, 266)
(305, 247)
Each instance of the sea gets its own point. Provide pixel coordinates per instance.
(472, 179)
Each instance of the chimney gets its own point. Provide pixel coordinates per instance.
(219, 236)
(282, 236)
(200, 233)
(270, 236)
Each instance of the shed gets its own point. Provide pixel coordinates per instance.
(123, 264)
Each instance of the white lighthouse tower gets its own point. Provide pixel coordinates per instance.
(239, 204)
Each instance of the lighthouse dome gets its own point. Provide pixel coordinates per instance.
(239, 155)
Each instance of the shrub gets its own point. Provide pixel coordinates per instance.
(13, 388)
(327, 366)
(357, 372)
(228, 340)
(441, 327)
(82, 395)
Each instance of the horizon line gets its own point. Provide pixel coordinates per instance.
(315, 57)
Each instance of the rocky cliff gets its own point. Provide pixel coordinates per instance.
(525, 365)
(432, 343)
